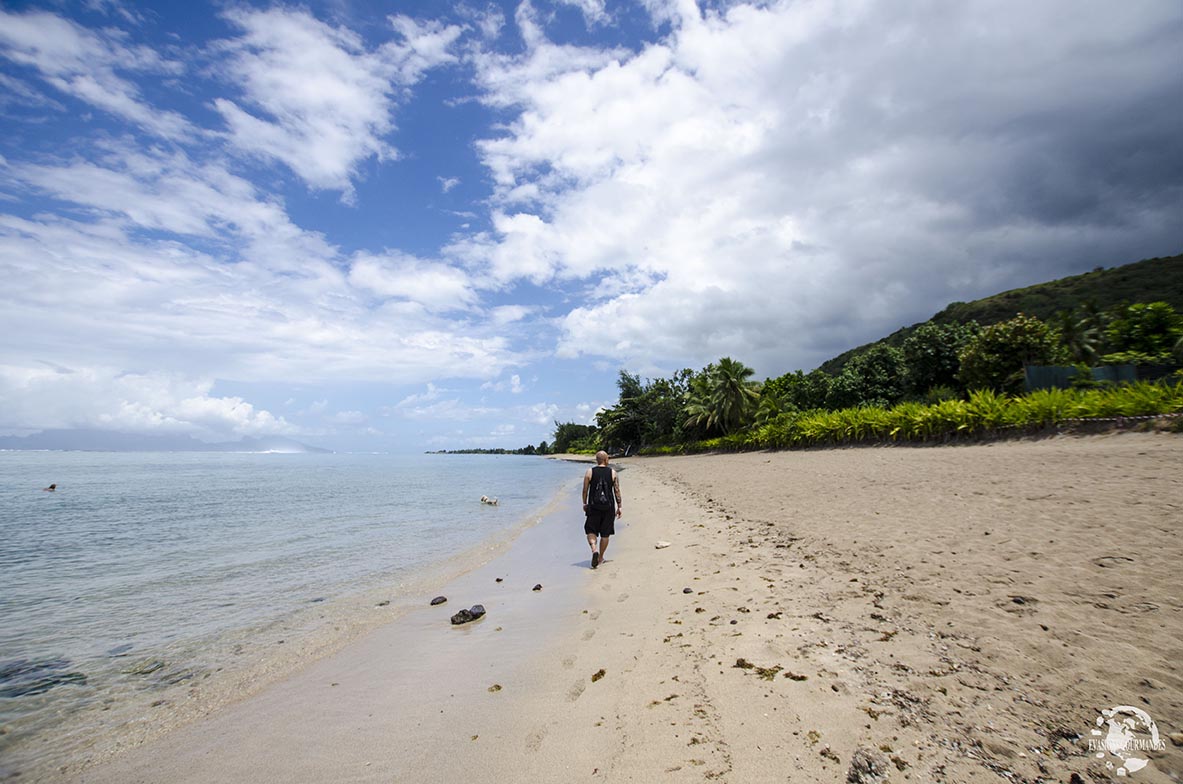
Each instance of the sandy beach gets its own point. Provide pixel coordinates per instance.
(956, 614)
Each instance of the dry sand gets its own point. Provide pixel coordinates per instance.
(951, 614)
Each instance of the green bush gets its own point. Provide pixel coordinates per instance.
(995, 357)
(984, 413)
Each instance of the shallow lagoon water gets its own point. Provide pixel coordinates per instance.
(167, 561)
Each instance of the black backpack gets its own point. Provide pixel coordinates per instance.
(600, 495)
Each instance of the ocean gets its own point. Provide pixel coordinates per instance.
(151, 583)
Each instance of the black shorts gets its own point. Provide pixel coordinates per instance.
(601, 522)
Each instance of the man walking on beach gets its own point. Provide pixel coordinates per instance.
(601, 504)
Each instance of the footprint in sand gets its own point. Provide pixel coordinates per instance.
(535, 738)
(594, 614)
(575, 690)
(622, 598)
(568, 662)
(587, 635)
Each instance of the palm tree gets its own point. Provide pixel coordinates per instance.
(733, 395)
(771, 406)
(1080, 334)
(699, 409)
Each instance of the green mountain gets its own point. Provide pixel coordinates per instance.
(1150, 280)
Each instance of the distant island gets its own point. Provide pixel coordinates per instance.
(79, 440)
(526, 450)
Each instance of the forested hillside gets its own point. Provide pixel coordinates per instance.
(1150, 280)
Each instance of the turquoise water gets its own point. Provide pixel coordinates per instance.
(147, 559)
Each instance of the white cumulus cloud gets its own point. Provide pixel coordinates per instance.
(435, 285)
(104, 398)
(315, 97)
(782, 181)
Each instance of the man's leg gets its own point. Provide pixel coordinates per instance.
(603, 547)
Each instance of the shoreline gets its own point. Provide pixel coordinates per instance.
(408, 665)
(956, 615)
(208, 676)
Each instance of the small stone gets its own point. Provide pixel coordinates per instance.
(661, 545)
(496, 687)
(867, 767)
(384, 602)
(687, 590)
(537, 587)
(471, 614)
(1176, 738)
(498, 579)
(438, 600)
(598, 674)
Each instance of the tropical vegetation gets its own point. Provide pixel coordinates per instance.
(940, 380)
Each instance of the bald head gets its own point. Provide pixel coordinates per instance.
(601, 457)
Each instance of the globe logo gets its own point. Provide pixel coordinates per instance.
(1124, 731)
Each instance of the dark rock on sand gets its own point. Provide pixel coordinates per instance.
(537, 587)
(384, 602)
(687, 590)
(438, 600)
(471, 614)
(867, 767)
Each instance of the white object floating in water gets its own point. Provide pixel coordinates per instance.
(662, 545)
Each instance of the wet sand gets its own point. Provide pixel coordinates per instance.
(942, 614)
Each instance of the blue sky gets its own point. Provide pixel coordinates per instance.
(407, 226)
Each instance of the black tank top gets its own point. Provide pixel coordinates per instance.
(601, 479)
